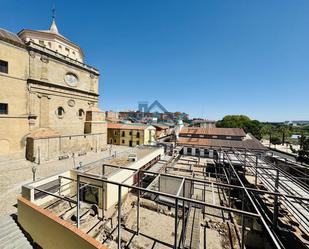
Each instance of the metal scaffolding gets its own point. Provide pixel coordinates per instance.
(235, 166)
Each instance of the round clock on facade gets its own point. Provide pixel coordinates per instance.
(71, 79)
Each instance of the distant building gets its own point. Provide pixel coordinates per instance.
(112, 117)
(162, 130)
(130, 134)
(203, 141)
(203, 123)
(48, 97)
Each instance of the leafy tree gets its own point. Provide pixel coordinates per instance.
(275, 140)
(303, 152)
(284, 130)
(241, 121)
(233, 121)
(268, 130)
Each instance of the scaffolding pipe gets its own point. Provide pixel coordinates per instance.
(271, 234)
(176, 223)
(138, 203)
(276, 205)
(78, 202)
(119, 216)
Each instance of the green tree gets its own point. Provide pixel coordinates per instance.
(275, 140)
(268, 129)
(233, 121)
(241, 121)
(303, 152)
(284, 130)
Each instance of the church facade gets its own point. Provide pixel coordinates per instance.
(48, 97)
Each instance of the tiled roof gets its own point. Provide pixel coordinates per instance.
(10, 37)
(44, 133)
(161, 126)
(112, 119)
(213, 131)
(127, 126)
(250, 144)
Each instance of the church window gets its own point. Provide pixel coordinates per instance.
(4, 108)
(4, 66)
(60, 112)
(81, 113)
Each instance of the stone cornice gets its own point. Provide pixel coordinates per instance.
(48, 84)
(57, 56)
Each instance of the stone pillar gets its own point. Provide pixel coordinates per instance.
(193, 152)
(185, 150)
(44, 111)
(202, 153)
(211, 153)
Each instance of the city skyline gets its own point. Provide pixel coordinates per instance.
(207, 59)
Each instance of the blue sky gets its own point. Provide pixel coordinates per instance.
(208, 58)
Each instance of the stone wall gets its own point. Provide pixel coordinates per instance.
(48, 148)
(14, 125)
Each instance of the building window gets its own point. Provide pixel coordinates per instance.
(115, 132)
(137, 134)
(114, 140)
(60, 48)
(4, 66)
(214, 136)
(60, 112)
(67, 50)
(137, 142)
(49, 44)
(130, 133)
(81, 113)
(123, 134)
(41, 43)
(4, 108)
(123, 141)
(229, 137)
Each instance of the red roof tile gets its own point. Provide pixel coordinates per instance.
(127, 126)
(250, 144)
(213, 131)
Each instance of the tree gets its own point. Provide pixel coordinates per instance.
(284, 130)
(275, 141)
(241, 121)
(233, 121)
(268, 130)
(303, 152)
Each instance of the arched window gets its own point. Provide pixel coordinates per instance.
(60, 112)
(81, 113)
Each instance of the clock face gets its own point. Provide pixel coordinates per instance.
(71, 79)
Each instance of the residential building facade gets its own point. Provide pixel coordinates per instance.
(130, 134)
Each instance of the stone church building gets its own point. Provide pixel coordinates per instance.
(48, 97)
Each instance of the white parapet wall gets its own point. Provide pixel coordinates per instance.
(123, 176)
(29, 190)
